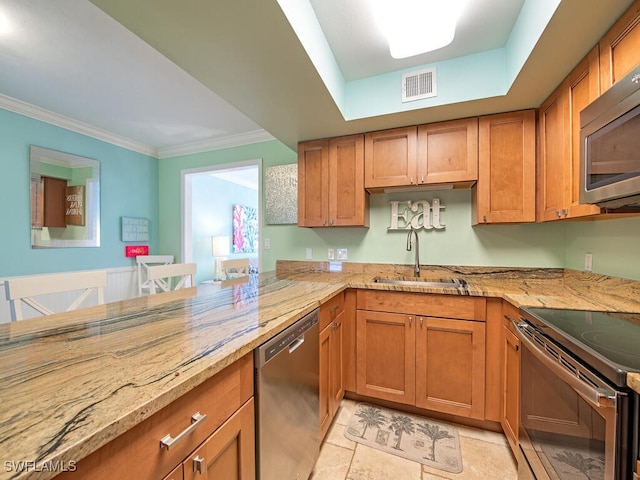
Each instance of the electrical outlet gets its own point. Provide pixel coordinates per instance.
(588, 262)
(267, 243)
(330, 254)
(309, 253)
(342, 254)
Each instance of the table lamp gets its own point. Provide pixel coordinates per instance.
(220, 250)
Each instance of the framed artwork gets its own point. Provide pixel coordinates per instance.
(281, 194)
(245, 229)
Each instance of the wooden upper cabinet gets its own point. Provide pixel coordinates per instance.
(582, 87)
(331, 183)
(559, 143)
(445, 152)
(552, 158)
(448, 152)
(390, 158)
(505, 192)
(313, 183)
(620, 47)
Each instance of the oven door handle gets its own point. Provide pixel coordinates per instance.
(598, 397)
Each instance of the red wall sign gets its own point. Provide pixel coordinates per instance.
(135, 250)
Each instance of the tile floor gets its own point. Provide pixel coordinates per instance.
(485, 455)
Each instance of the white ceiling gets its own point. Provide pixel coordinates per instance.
(71, 59)
(361, 51)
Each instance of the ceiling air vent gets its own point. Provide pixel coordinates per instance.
(419, 84)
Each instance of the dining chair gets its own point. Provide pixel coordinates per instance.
(146, 261)
(23, 290)
(235, 271)
(171, 277)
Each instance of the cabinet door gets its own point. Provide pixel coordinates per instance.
(448, 152)
(386, 356)
(505, 192)
(390, 158)
(581, 88)
(177, 474)
(348, 200)
(325, 379)
(619, 48)
(54, 207)
(450, 366)
(337, 365)
(313, 181)
(511, 387)
(229, 452)
(551, 195)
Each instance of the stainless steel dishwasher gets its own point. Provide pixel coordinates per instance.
(287, 411)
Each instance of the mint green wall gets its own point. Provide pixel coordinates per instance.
(613, 244)
(458, 244)
(559, 244)
(271, 153)
(129, 187)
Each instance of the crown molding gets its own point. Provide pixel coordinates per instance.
(229, 141)
(47, 116)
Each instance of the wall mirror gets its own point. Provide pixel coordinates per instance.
(65, 199)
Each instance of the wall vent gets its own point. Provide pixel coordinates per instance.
(419, 84)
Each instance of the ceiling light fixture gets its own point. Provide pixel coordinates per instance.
(5, 25)
(412, 27)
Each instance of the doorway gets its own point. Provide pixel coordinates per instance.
(222, 206)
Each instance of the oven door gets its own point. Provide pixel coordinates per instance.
(569, 417)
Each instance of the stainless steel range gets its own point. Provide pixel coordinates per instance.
(578, 418)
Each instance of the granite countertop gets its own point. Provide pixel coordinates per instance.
(522, 287)
(73, 382)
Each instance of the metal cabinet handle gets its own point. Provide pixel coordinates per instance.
(421, 320)
(410, 320)
(198, 464)
(168, 441)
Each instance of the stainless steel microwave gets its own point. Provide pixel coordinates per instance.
(610, 146)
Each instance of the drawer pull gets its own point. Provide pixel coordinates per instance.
(168, 441)
(198, 464)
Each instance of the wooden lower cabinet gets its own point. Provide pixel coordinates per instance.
(431, 362)
(332, 316)
(386, 356)
(229, 453)
(227, 433)
(510, 417)
(450, 366)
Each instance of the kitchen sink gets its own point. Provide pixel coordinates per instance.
(416, 281)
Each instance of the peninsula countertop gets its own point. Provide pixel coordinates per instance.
(73, 382)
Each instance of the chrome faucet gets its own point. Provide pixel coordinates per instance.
(416, 266)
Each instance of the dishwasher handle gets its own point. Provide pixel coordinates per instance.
(293, 346)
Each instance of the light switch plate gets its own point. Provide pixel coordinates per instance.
(342, 254)
(330, 254)
(309, 254)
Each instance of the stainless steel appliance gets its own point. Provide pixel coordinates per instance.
(610, 146)
(578, 419)
(287, 402)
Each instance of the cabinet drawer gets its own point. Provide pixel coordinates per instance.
(331, 309)
(427, 304)
(137, 453)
